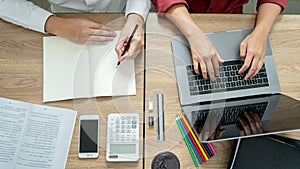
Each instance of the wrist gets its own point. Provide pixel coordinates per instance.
(52, 25)
(196, 33)
(260, 31)
(136, 18)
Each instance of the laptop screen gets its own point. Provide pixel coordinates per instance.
(246, 117)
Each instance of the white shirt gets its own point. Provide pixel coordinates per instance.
(28, 15)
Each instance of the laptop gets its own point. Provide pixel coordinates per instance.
(216, 107)
(277, 113)
(193, 88)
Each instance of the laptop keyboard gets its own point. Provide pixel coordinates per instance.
(228, 80)
(230, 114)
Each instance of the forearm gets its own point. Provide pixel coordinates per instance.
(266, 16)
(140, 7)
(180, 16)
(24, 13)
(135, 19)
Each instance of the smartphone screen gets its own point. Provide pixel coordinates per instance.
(88, 136)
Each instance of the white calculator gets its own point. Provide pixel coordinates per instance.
(122, 143)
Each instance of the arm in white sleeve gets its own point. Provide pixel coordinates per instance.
(24, 13)
(140, 7)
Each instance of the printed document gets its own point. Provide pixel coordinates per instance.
(34, 136)
(83, 71)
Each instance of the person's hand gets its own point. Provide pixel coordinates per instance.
(205, 56)
(80, 30)
(252, 51)
(211, 134)
(209, 128)
(137, 42)
(217, 134)
(252, 124)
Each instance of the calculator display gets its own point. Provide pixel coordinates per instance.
(122, 148)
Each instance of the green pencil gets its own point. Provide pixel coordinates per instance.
(186, 143)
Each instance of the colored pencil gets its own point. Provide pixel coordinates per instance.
(205, 147)
(208, 150)
(195, 138)
(191, 144)
(187, 143)
(212, 148)
(208, 146)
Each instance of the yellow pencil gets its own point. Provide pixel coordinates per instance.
(196, 139)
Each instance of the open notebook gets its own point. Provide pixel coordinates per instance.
(82, 71)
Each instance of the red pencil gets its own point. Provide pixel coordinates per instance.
(205, 150)
(193, 140)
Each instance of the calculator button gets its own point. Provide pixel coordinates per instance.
(134, 126)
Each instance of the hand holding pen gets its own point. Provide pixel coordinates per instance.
(130, 46)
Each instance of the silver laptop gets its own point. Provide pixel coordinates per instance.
(194, 89)
(277, 113)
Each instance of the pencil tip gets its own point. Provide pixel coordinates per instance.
(118, 64)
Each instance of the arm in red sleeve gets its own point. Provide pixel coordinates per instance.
(281, 3)
(163, 6)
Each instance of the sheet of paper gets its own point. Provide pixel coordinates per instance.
(82, 71)
(13, 117)
(34, 136)
(106, 78)
(61, 59)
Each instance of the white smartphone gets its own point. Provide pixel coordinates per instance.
(88, 136)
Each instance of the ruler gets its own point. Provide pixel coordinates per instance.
(160, 117)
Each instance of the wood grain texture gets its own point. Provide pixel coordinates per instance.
(21, 78)
(160, 76)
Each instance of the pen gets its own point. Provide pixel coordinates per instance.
(126, 46)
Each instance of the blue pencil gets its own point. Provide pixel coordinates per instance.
(191, 143)
(187, 143)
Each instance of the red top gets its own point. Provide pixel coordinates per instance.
(212, 6)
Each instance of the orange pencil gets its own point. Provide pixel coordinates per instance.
(192, 139)
(197, 141)
(205, 148)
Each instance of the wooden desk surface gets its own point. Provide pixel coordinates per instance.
(160, 76)
(21, 78)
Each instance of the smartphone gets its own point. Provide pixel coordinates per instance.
(88, 136)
